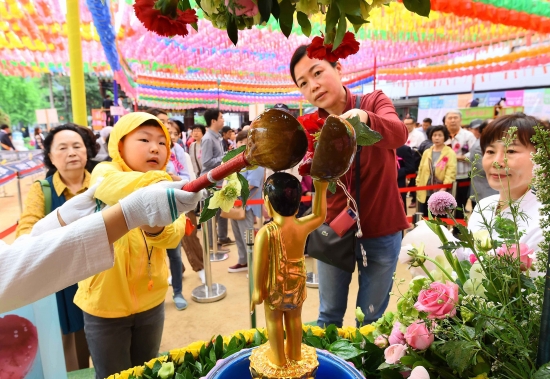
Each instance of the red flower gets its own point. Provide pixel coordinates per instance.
(305, 166)
(164, 25)
(318, 50)
(312, 124)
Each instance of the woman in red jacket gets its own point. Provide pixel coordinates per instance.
(380, 210)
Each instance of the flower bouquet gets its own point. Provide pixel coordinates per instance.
(479, 317)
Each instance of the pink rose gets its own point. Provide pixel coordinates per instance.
(473, 258)
(381, 341)
(243, 8)
(418, 336)
(439, 301)
(396, 336)
(394, 353)
(524, 252)
(419, 372)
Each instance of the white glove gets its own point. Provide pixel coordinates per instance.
(159, 204)
(74, 209)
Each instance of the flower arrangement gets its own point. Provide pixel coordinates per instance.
(197, 359)
(171, 17)
(479, 317)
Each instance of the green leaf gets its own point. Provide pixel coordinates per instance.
(218, 347)
(184, 5)
(179, 376)
(356, 20)
(458, 354)
(286, 18)
(340, 32)
(365, 136)
(265, 9)
(332, 187)
(156, 367)
(275, 9)
(408, 360)
(257, 338)
(352, 7)
(245, 189)
(195, 26)
(344, 349)
(304, 23)
(232, 30)
(212, 355)
(314, 341)
(233, 153)
(527, 282)
(207, 213)
(421, 7)
(331, 333)
(543, 372)
(333, 14)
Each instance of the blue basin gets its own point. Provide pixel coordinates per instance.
(330, 367)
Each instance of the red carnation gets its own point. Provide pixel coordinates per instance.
(349, 46)
(318, 50)
(312, 124)
(164, 25)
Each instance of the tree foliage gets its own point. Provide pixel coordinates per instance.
(20, 97)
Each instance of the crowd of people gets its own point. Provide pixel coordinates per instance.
(116, 314)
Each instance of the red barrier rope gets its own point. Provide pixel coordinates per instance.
(8, 231)
(8, 178)
(29, 170)
(447, 221)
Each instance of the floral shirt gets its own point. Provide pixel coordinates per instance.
(461, 144)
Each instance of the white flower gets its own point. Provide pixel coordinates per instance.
(225, 198)
(483, 240)
(419, 372)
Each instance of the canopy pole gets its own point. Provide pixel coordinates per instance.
(78, 88)
(374, 81)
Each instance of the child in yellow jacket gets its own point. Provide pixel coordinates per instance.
(438, 165)
(124, 306)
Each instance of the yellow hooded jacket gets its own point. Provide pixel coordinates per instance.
(123, 290)
(445, 172)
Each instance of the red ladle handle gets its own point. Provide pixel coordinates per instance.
(232, 166)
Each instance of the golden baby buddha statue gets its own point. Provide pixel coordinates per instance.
(279, 269)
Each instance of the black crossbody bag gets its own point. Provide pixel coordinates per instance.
(327, 246)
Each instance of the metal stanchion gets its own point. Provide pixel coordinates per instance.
(214, 255)
(312, 280)
(454, 188)
(249, 240)
(209, 292)
(20, 197)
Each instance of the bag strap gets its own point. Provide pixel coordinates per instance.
(358, 171)
(47, 191)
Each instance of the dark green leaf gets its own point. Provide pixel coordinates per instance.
(304, 23)
(286, 18)
(352, 7)
(332, 187)
(408, 360)
(245, 189)
(356, 20)
(179, 376)
(156, 367)
(233, 153)
(207, 213)
(275, 10)
(340, 32)
(265, 9)
(188, 374)
(232, 30)
(331, 333)
(314, 341)
(195, 26)
(365, 136)
(344, 349)
(421, 7)
(188, 358)
(333, 14)
(218, 347)
(458, 354)
(232, 344)
(212, 355)
(543, 372)
(184, 5)
(527, 282)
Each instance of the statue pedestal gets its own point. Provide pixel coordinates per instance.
(262, 368)
(238, 366)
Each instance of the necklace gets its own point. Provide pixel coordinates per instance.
(149, 252)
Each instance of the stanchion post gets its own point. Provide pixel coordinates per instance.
(312, 280)
(215, 256)
(208, 292)
(454, 188)
(20, 197)
(418, 216)
(249, 240)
